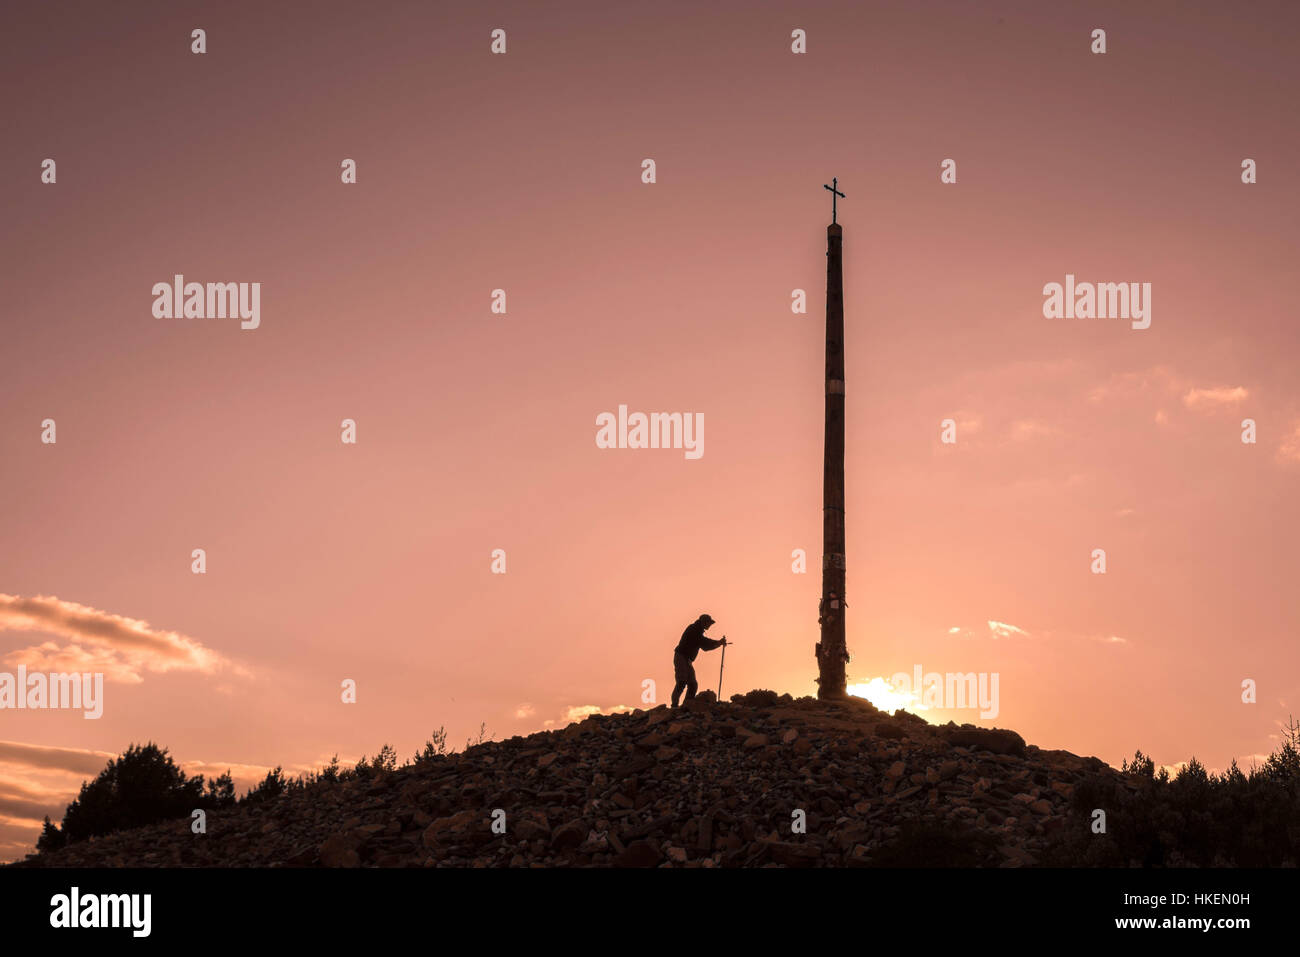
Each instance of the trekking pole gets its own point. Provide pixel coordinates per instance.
(720, 664)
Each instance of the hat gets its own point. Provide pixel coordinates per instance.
(706, 619)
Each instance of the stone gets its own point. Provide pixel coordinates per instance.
(568, 836)
(794, 855)
(341, 850)
(639, 854)
(437, 831)
(997, 740)
(530, 830)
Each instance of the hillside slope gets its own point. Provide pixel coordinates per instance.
(713, 784)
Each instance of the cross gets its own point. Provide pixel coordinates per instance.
(834, 188)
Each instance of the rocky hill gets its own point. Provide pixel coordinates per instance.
(709, 785)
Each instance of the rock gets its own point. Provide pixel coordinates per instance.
(529, 830)
(755, 741)
(794, 855)
(889, 730)
(341, 850)
(997, 740)
(896, 770)
(546, 760)
(568, 836)
(443, 826)
(638, 854)
(304, 857)
(1016, 856)
(676, 854)
(667, 753)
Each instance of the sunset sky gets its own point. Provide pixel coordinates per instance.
(476, 431)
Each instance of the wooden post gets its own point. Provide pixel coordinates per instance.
(832, 652)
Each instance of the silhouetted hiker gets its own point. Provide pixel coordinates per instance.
(693, 640)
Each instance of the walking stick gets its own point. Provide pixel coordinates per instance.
(720, 664)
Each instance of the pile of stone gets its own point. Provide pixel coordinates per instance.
(764, 780)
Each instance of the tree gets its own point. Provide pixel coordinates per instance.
(221, 791)
(141, 786)
(272, 786)
(51, 838)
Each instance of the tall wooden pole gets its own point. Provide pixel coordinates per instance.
(832, 652)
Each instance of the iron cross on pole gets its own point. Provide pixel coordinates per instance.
(835, 192)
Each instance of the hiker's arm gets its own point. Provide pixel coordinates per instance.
(708, 644)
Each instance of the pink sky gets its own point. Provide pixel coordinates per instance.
(476, 431)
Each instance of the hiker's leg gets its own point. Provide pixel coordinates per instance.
(680, 676)
(691, 685)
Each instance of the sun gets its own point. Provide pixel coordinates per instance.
(884, 695)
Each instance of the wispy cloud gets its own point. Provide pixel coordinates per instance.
(1001, 629)
(579, 711)
(525, 710)
(30, 802)
(121, 647)
(70, 760)
(1212, 399)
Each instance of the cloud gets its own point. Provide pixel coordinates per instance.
(17, 838)
(29, 801)
(1212, 399)
(1160, 383)
(50, 656)
(68, 760)
(525, 710)
(1001, 629)
(579, 711)
(1126, 384)
(1111, 639)
(120, 647)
